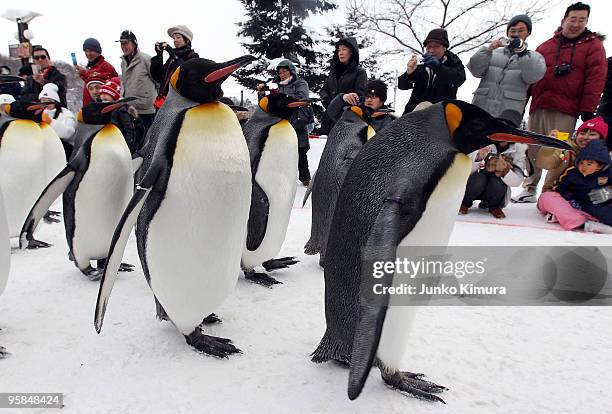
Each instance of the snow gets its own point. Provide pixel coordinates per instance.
(493, 359)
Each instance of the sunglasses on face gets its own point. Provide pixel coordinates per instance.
(39, 57)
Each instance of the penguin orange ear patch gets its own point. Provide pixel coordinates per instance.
(175, 76)
(357, 110)
(453, 116)
(263, 103)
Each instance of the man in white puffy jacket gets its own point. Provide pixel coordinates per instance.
(63, 121)
(507, 68)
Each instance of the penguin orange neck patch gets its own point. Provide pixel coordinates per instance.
(263, 103)
(453, 116)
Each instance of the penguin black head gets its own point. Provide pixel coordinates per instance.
(472, 128)
(9, 79)
(25, 110)
(100, 113)
(200, 79)
(368, 114)
(282, 105)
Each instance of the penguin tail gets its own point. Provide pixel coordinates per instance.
(330, 349)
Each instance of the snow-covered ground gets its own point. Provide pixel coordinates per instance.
(493, 359)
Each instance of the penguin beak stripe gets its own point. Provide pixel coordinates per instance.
(296, 104)
(36, 107)
(110, 108)
(530, 138)
(220, 73)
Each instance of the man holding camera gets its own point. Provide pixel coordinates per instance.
(507, 68)
(437, 77)
(576, 71)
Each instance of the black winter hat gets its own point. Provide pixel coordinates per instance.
(92, 44)
(596, 150)
(128, 35)
(520, 18)
(378, 88)
(437, 35)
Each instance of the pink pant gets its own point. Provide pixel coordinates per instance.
(569, 218)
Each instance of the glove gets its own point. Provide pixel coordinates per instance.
(170, 51)
(600, 195)
(431, 61)
(586, 116)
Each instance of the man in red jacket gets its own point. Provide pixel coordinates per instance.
(97, 67)
(576, 71)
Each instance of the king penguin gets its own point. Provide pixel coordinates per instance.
(21, 158)
(192, 205)
(344, 142)
(272, 143)
(96, 186)
(402, 189)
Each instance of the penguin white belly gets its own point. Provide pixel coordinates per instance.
(21, 175)
(5, 246)
(195, 238)
(55, 157)
(102, 195)
(276, 175)
(433, 229)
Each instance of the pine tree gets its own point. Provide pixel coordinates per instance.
(276, 29)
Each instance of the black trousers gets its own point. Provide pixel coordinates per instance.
(303, 172)
(487, 187)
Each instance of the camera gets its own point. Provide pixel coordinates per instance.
(270, 87)
(563, 69)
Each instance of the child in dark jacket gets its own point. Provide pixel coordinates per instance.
(573, 206)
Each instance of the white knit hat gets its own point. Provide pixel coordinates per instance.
(182, 30)
(50, 90)
(5, 98)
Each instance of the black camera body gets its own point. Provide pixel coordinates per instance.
(563, 69)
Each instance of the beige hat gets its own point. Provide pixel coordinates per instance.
(182, 30)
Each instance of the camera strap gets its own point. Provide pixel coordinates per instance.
(572, 51)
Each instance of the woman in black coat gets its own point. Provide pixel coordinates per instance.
(346, 77)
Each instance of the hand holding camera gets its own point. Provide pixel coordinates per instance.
(351, 98)
(516, 45)
(430, 61)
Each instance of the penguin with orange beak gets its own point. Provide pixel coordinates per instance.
(191, 206)
(95, 185)
(402, 189)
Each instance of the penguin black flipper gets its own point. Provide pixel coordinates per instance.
(258, 217)
(390, 227)
(115, 254)
(53, 190)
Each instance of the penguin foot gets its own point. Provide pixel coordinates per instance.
(281, 263)
(126, 267)
(37, 244)
(211, 345)
(50, 215)
(211, 319)
(94, 274)
(413, 384)
(261, 279)
(3, 352)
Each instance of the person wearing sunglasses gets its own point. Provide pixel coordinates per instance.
(43, 72)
